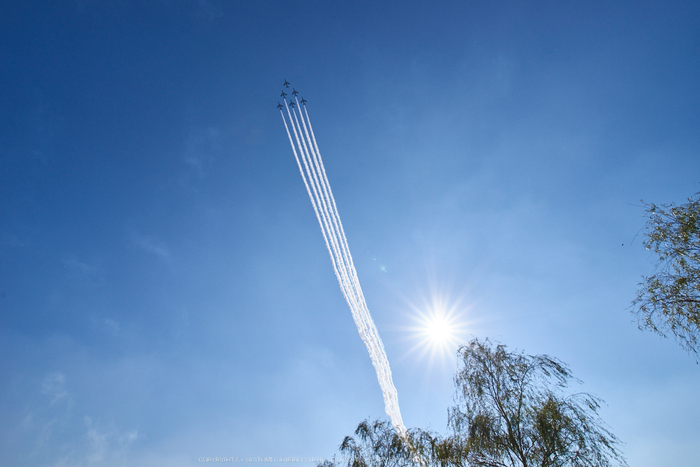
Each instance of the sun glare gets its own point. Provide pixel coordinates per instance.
(439, 327)
(438, 330)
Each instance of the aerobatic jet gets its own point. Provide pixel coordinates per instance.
(284, 94)
(295, 92)
(279, 106)
(303, 101)
(286, 83)
(291, 104)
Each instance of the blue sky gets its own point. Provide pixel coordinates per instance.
(165, 293)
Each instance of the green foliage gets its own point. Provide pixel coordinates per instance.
(510, 412)
(380, 446)
(669, 300)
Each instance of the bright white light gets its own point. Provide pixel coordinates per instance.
(438, 330)
(439, 327)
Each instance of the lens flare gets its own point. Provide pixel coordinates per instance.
(439, 330)
(439, 325)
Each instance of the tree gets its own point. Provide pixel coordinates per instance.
(381, 446)
(669, 300)
(511, 412)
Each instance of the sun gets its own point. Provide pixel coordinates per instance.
(438, 327)
(439, 330)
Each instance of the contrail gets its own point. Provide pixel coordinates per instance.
(313, 173)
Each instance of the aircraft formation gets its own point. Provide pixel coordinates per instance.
(295, 93)
(305, 148)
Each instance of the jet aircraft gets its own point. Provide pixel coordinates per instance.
(291, 104)
(303, 101)
(295, 92)
(279, 106)
(284, 94)
(286, 83)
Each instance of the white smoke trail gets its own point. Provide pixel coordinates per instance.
(317, 186)
(347, 286)
(321, 207)
(322, 221)
(330, 234)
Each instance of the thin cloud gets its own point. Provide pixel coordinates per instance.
(54, 386)
(106, 445)
(201, 147)
(106, 325)
(74, 264)
(52, 426)
(150, 245)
